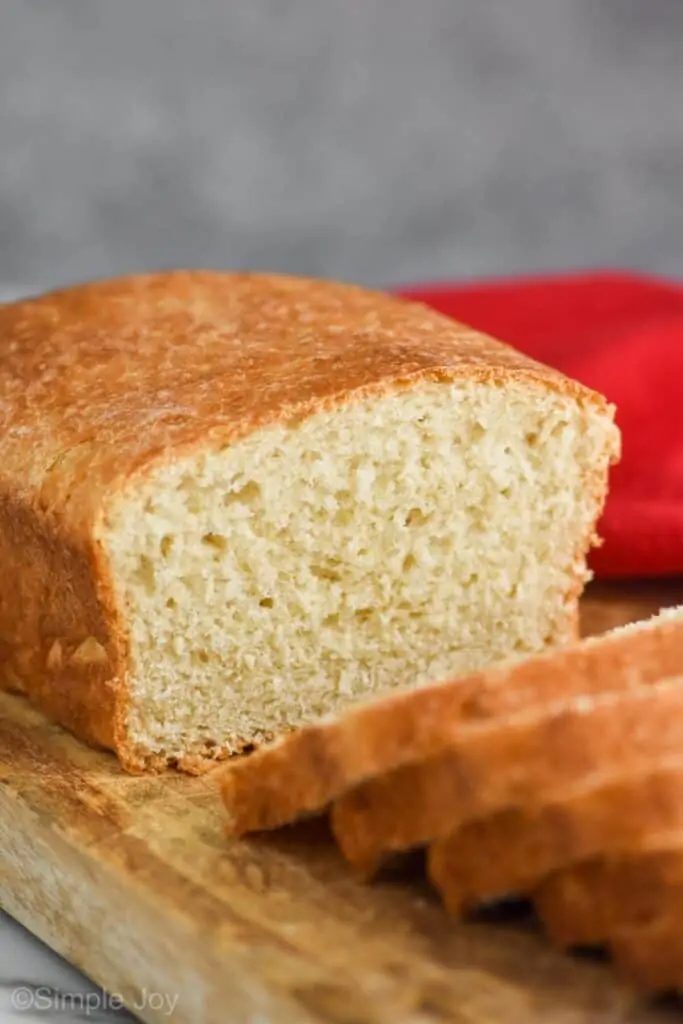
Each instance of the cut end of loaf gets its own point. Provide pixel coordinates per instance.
(392, 541)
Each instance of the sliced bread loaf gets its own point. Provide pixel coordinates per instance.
(232, 503)
(524, 759)
(514, 851)
(308, 770)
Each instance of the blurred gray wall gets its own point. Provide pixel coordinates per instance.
(378, 140)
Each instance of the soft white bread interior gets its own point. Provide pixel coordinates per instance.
(387, 543)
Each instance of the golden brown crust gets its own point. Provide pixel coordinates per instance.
(101, 381)
(603, 897)
(306, 771)
(60, 639)
(632, 903)
(521, 760)
(651, 956)
(514, 851)
(107, 378)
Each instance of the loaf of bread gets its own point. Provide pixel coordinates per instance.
(315, 766)
(515, 851)
(234, 503)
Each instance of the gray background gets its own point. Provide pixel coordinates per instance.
(378, 140)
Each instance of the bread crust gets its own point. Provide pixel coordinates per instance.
(651, 956)
(101, 382)
(308, 770)
(522, 760)
(57, 596)
(632, 903)
(514, 851)
(606, 895)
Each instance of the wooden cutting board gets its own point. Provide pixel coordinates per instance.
(133, 881)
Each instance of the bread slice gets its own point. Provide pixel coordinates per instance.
(232, 503)
(525, 759)
(596, 900)
(514, 851)
(305, 772)
(632, 903)
(651, 956)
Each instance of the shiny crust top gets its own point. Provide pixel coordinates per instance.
(101, 380)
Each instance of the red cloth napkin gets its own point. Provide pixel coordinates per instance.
(622, 335)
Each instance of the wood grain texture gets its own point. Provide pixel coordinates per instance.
(133, 880)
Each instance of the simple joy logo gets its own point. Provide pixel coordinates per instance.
(42, 998)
